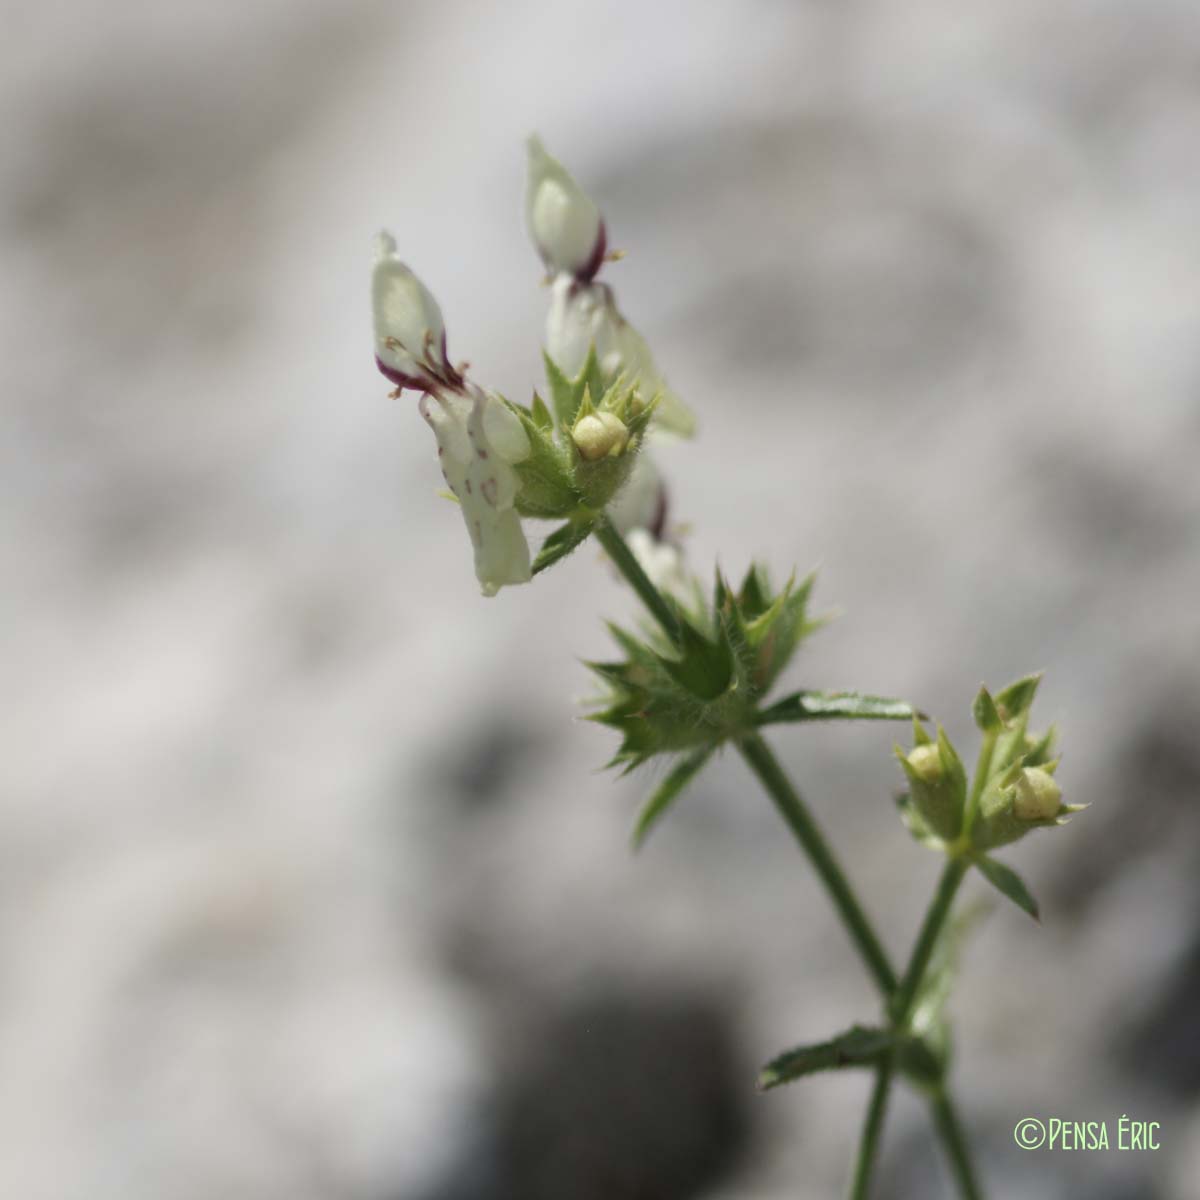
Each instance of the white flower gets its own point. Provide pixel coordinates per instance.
(478, 441)
(410, 336)
(586, 314)
(479, 438)
(565, 225)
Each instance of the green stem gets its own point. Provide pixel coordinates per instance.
(954, 1143)
(616, 548)
(945, 1119)
(868, 1144)
(935, 918)
(764, 764)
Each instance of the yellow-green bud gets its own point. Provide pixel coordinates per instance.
(600, 435)
(1038, 796)
(926, 762)
(935, 795)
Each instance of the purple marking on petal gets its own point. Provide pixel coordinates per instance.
(399, 378)
(588, 271)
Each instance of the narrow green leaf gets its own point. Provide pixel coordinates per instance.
(1006, 880)
(857, 1047)
(561, 542)
(667, 792)
(835, 706)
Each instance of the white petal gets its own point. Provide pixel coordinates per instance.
(581, 315)
(409, 330)
(502, 555)
(477, 472)
(502, 429)
(564, 223)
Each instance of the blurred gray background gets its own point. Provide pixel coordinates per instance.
(310, 884)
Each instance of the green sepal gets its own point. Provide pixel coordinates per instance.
(541, 415)
(649, 708)
(984, 711)
(1039, 753)
(1007, 881)
(916, 824)
(1015, 700)
(704, 667)
(956, 773)
(835, 706)
(562, 542)
(857, 1047)
(667, 792)
(938, 801)
(566, 395)
(546, 490)
(920, 737)
(755, 592)
(778, 630)
(997, 825)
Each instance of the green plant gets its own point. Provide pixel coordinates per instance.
(701, 673)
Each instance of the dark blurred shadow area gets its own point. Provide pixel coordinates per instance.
(312, 885)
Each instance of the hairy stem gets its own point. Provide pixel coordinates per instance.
(616, 548)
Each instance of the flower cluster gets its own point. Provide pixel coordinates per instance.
(573, 460)
(1014, 790)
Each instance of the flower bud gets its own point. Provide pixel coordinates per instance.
(1038, 796)
(1015, 803)
(926, 764)
(600, 435)
(935, 792)
(565, 225)
(410, 336)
